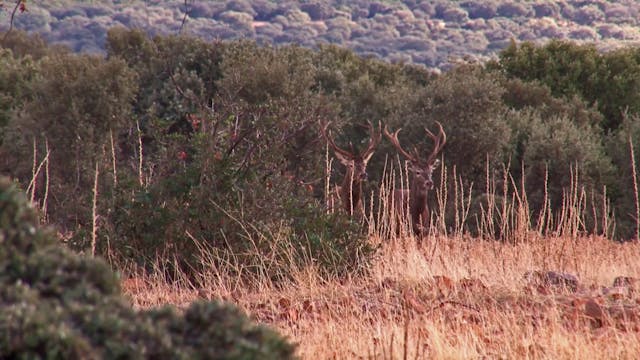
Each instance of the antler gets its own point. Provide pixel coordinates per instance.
(439, 142)
(396, 143)
(374, 140)
(327, 136)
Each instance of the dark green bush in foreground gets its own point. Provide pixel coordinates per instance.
(57, 305)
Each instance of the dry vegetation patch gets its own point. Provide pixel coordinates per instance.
(449, 298)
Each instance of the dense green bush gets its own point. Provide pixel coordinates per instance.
(176, 75)
(58, 305)
(610, 80)
(15, 74)
(72, 106)
(521, 94)
(242, 212)
(232, 182)
(558, 151)
(468, 102)
(622, 188)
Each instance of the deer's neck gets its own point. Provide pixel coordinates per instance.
(350, 191)
(418, 197)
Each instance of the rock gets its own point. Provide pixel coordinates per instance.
(472, 284)
(595, 313)
(443, 284)
(625, 317)
(554, 280)
(615, 292)
(627, 281)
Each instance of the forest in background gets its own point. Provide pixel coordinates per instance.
(435, 33)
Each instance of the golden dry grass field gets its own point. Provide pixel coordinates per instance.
(448, 298)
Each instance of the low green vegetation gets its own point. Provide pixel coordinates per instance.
(57, 304)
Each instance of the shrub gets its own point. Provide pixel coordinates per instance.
(72, 106)
(533, 95)
(622, 189)
(15, 74)
(23, 44)
(248, 212)
(230, 177)
(559, 147)
(468, 102)
(546, 9)
(317, 10)
(56, 304)
(513, 9)
(165, 65)
(609, 81)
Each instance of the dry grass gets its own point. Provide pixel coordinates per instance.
(450, 298)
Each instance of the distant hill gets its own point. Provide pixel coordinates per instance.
(433, 33)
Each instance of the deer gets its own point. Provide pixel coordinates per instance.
(349, 192)
(414, 199)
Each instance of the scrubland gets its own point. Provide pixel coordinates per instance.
(546, 291)
(448, 297)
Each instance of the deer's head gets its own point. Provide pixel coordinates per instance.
(355, 162)
(422, 169)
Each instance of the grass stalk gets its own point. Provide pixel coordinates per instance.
(113, 159)
(45, 198)
(94, 211)
(35, 172)
(140, 155)
(635, 187)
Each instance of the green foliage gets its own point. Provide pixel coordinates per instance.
(236, 189)
(176, 74)
(71, 106)
(559, 151)
(245, 212)
(468, 102)
(610, 81)
(258, 74)
(533, 95)
(15, 74)
(617, 91)
(23, 44)
(563, 66)
(621, 189)
(56, 304)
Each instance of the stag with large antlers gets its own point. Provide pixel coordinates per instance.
(414, 199)
(349, 192)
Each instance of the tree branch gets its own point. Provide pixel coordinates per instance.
(13, 14)
(184, 18)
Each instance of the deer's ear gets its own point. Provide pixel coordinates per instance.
(435, 164)
(343, 159)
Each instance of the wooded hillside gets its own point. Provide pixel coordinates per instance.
(433, 33)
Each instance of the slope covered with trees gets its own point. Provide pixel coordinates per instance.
(431, 33)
